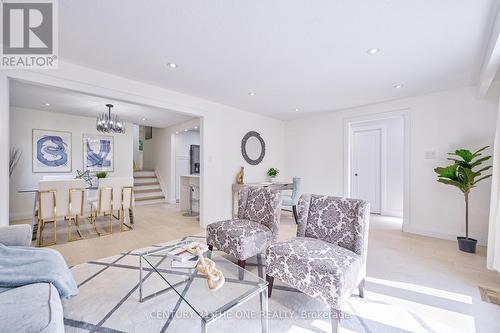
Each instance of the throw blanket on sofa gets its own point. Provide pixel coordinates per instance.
(20, 266)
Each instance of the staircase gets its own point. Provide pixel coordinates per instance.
(147, 190)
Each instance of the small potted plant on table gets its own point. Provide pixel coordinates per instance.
(461, 174)
(272, 173)
(99, 175)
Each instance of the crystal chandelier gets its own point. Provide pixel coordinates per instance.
(109, 124)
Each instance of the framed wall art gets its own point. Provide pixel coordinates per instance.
(51, 151)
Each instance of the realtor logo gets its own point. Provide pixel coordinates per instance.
(29, 34)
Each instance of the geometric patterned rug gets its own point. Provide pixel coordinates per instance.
(108, 301)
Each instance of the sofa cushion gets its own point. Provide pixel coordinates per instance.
(240, 238)
(31, 308)
(263, 206)
(319, 269)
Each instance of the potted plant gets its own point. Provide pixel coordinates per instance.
(272, 173)
(100, 175)
(464, 175)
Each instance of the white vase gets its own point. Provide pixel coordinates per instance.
(272, 179)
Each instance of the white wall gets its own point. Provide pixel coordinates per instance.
(222, 127)
(393, 173)
(439, 122)
(22, 121)
(4, 150)
(158, 153)
(137, 153)
(183, 141)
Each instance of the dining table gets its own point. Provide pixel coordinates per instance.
(91, 193)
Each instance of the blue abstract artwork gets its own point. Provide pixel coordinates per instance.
(51, 151)
(98, 153)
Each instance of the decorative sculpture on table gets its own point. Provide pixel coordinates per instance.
(240, 176)
(85, 175)
(205, 266)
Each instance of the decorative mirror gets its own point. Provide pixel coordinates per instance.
(253, 148)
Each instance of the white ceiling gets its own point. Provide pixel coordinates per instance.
(25, 95)
(301, 54)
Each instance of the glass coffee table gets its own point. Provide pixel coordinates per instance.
(240, 286)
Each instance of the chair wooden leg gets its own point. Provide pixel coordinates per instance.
(335, 318)
(270, 281)
(294, 210)
(241, 271)
(362, 288)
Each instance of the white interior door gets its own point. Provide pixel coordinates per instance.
(365, 166)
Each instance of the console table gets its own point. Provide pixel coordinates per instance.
(272, 186)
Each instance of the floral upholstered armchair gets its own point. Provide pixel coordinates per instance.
(259, 212)
(327, 259)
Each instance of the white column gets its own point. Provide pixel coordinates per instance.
(493, 255)
(4, 150)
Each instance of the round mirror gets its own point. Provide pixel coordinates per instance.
(253, 148)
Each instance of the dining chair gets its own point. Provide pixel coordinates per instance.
(259, 212)
(115, 194)
(60, 198)
(293, 199)
(327, 259)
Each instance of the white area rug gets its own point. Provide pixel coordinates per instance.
(109, 302)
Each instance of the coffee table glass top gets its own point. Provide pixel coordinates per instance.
(239, 286)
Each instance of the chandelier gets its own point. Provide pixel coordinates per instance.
(109, 124)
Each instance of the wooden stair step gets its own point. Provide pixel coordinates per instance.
(146, 184)
(148, 191)
(150, 198)
(144, 177)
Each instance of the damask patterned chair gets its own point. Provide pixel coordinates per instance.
(259, 212)
(327, 259)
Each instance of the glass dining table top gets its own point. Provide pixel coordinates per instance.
(191, 286)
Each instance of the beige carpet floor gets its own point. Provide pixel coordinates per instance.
(414, 284)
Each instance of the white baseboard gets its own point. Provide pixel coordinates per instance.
(437, 234)
(392, 213)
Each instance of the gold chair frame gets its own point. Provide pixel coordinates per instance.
(77, 216)
(122, 211)
(95, 214)
(41, 222)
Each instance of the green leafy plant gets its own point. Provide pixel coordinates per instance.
(273, 172)
(464, 175)
(101, 174)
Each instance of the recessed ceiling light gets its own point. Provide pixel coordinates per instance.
(398, 86)
(373, 50)
(46, 104)
(185, 130)
(143, 119)
(172, 65)
(297, 110)
(196, 127)
(251, 93)
(177, 132)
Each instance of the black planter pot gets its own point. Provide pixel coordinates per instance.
(467, 244)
